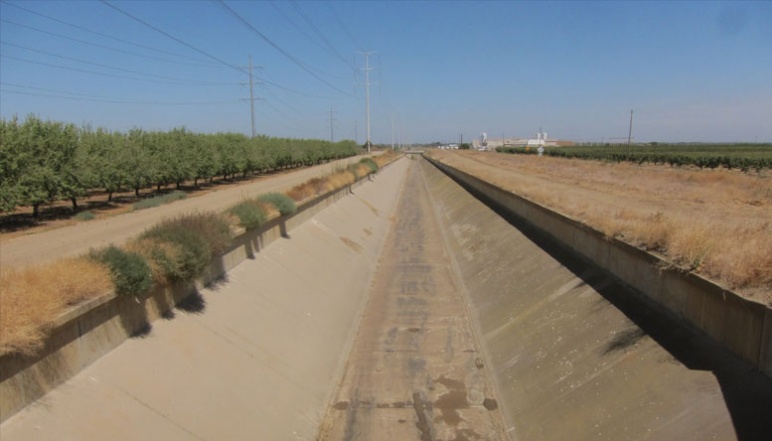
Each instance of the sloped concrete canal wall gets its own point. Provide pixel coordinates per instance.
(254, 356)
(576, 353)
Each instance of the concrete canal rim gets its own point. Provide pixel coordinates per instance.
(259, 362)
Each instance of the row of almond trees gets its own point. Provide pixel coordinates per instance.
(44, 161)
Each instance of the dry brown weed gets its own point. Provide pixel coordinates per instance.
(716, 222)
(33, 298)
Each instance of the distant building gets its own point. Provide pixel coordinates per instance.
(541, 139)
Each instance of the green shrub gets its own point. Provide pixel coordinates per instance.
(199, 237)
(212, 227)
(168, 256)
(354, 170)
(250, 214)
(369, 162)
(130, 273)
(282, 202)
(84, 216)
(160, 200)
(194, 253)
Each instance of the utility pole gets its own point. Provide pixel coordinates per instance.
(367, 70)
(392, 131)
(356, 132)
(630, 133)
(332, 124)
(252, 96)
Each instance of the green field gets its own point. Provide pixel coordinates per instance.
(745, 157)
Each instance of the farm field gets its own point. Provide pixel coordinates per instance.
(716, 222)
(744, 157)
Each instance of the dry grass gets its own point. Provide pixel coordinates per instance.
(387, 157)
(33, 298)
(339, 178)
(715, 222)
(318, 186)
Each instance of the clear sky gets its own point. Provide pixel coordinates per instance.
(692, 71)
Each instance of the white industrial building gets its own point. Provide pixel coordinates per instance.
(541, 140)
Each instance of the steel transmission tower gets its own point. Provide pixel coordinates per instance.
(252, 98)
(367, 70)
(332, 125)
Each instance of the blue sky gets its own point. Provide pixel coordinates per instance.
(692, 71)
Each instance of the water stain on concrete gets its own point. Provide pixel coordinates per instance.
(351, 244)
(450, 403)
(341, 405)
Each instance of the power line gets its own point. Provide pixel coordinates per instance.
(249, 26)
(290, 90)
(292, 108)
(105, 66)
(296, 121)
(166, 34)
(136, 54)
(342, 25)
(52, 90)
(272, 83)
(311, 39)
(101, 34)
(102, 100)
(58, 66)
(295, 25)
(321, 36)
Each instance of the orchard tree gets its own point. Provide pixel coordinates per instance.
(103, 150)
(12, 164)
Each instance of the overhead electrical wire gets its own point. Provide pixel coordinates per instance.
(97, 98)
(290, 90)
(101, 46)
(105, 66)
(240, 69)
(294, 120)
(101, 34)
(295, 25)
(330, 47)
(36, 91)
(343, 25)
(168, 35)
(59, 66)
(300, 29)
(249, 26)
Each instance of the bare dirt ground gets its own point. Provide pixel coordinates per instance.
(416, 370)
(715, 222)
(67, 238)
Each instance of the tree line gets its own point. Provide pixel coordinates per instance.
(44, 161)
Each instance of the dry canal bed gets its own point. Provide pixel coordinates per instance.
(415, 371)
(410, 311)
